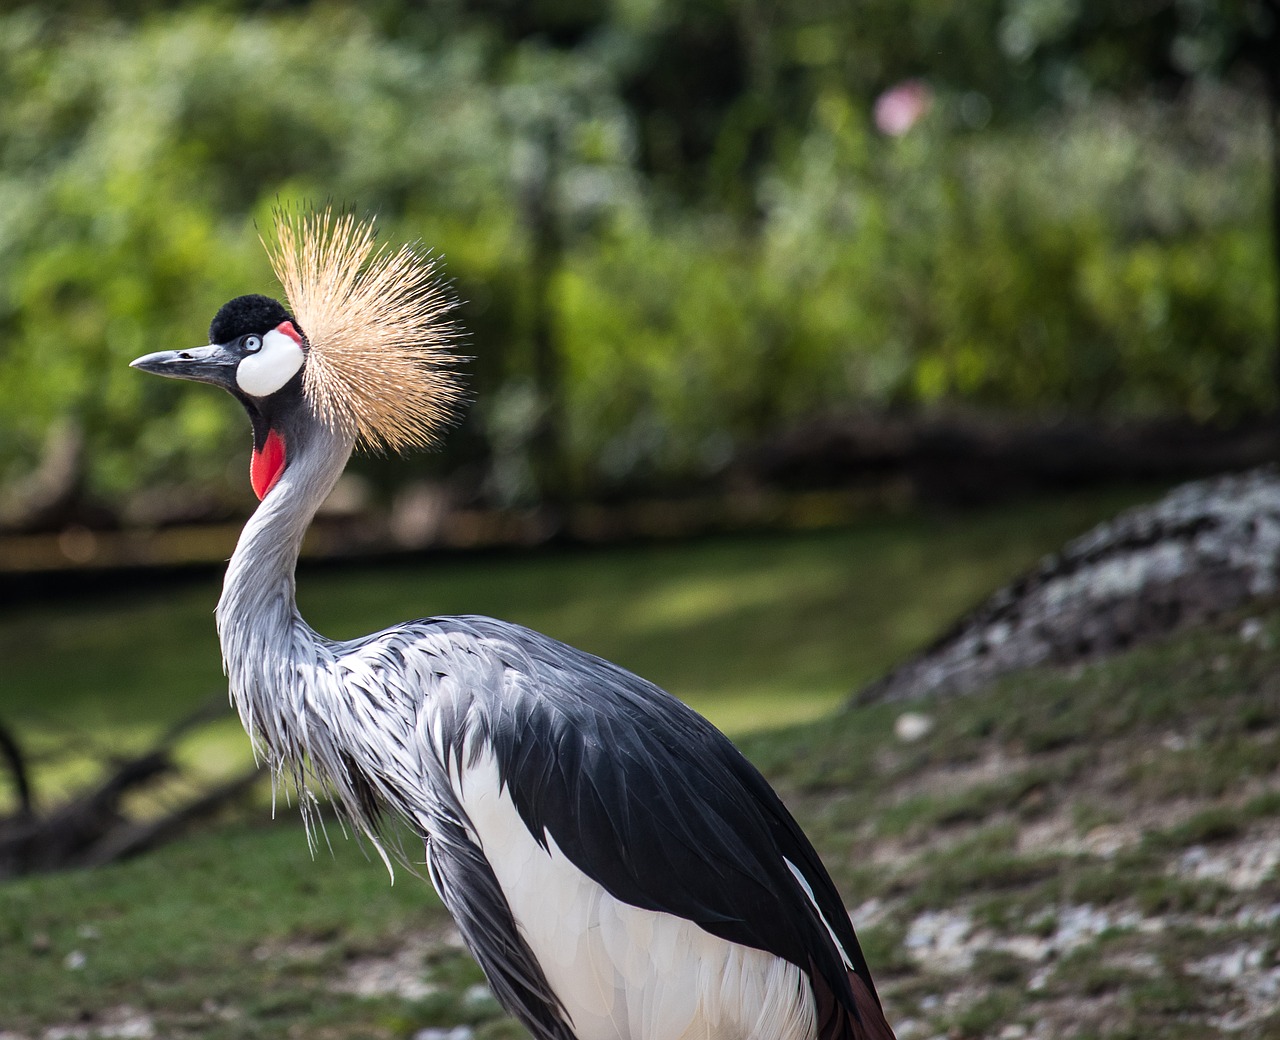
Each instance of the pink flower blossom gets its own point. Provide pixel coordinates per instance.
(900, 107)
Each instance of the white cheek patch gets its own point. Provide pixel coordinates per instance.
(263, 373)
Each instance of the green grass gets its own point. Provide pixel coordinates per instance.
(1179, 742)
(753, 631)
(203, 923)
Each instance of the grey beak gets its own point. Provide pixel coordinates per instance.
(212, 364)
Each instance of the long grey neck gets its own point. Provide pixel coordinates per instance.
(269, 652)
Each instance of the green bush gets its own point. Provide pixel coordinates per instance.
(1109, 260)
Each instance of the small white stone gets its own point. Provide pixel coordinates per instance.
(1107, 839)
(1078, 925)
(74, 961)
(867, 914)
(943, 940)
(477, 997)
(1028, 947)
(1252, 630)
(66, 1033)
(437, 1033)
(131, 1026)
(911, 726)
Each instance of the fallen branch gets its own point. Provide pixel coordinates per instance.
(16, 761)
(129, 840)
(92, 827)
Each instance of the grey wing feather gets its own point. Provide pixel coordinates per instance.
(471, 892)
(467, 884)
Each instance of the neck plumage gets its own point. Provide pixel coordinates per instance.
(270, 654)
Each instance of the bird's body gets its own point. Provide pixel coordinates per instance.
(615, 865)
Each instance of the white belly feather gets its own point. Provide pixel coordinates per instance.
(621, 972)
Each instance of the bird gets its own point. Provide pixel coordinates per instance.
(614, 864)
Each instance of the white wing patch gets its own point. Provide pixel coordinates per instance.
(620, 971)
(808, 891)
(278, 361)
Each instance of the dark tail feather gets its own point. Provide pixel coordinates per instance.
(865, 1021)
(874, 1026)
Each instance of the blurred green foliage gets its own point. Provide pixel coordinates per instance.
(1078, 222)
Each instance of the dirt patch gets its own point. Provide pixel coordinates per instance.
(402, 971)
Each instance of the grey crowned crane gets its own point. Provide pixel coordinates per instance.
(614, 864)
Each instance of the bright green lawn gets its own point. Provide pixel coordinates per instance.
(752, 631)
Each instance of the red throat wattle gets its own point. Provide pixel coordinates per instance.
(267, 464)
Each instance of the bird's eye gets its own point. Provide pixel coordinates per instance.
(252, 344)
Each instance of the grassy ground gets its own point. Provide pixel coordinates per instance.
(1091, 853)
(1088, 853)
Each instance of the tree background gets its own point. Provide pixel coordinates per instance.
(678, 228)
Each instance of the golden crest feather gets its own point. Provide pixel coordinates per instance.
(380, 365)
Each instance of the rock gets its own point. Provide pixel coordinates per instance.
(942, 939)
(1252, 630)
(478, 999)
(1242, 866)
(436, 1033)
(1205, 548)
(911, 726)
